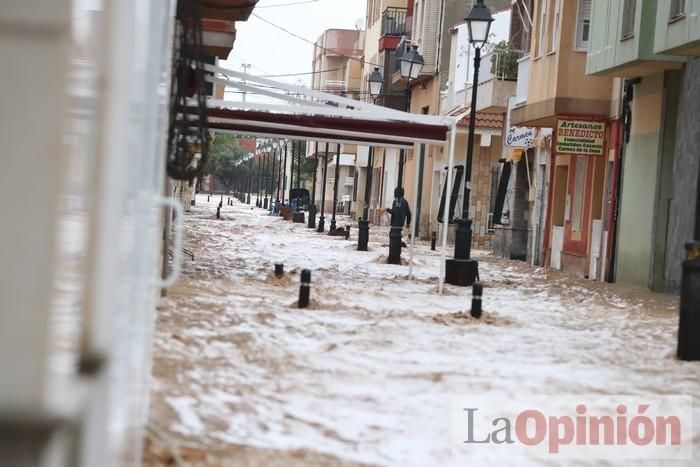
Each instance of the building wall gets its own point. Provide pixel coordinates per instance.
(374, 27)
(558, 81)
(685, 177)
(640, 169)
(485, 158)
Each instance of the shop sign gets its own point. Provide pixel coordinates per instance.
(580, 137)
(520, 137)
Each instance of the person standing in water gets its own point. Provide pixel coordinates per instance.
(400, 212)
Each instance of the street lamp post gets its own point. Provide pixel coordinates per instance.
(271, 186)
(375, 81)
(266, 169)
(321, 221)
(299, 161)
(312, 202)
(271, 181)
(291, 172)
(335, 186)
(462, 270)
(258, 201)
(250, 179)
(279, 177)
(284, 172)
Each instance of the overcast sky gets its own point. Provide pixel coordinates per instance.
(271, 51)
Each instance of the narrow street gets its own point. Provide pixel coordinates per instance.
(364, 375)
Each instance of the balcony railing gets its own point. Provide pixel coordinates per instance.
(394, 21)
(333, 83)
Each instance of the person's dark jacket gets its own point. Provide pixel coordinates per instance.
(400, 213)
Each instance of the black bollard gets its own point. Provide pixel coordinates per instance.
(279, 269)
(221, 204)
(218, 212)
(312, 216)
(433, 240)
(394, 246)
(304, 288)
(207, 198)
(689, 323)
(347, 232)
(477, 289)
(362, 235)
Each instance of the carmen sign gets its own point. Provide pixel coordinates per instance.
(520, 137)
(580, 137)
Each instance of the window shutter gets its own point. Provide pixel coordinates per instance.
(430, 32)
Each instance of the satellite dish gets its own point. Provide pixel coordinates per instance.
(360, 24)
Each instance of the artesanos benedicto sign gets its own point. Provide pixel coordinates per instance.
(580, 137)
(520, 137)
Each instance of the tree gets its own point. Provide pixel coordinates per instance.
(504, 61)
(225, 159)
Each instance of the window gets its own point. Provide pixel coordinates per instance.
(555, 27)
(417, 24)
(677, 8)
(628, 18)
(543, 27)
(583, 24)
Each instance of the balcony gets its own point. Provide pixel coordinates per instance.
(492, 95)
(394, 22)
(677, 32)
(497, 83)
(624, 50)
(333, 84)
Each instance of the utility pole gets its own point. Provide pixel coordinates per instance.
(312, 202)
(321, 221)
(335, 186)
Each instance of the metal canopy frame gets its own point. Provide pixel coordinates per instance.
(318, 116)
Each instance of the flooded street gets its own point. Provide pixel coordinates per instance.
(363, 376)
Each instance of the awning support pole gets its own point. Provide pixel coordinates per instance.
(414, 222)
(445, 217)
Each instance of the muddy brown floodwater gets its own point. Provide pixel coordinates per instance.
(362, 377)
